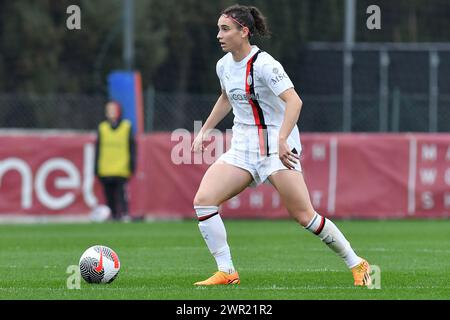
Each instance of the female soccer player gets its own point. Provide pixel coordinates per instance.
(265, 145)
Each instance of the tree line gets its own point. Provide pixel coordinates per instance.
(175, 40)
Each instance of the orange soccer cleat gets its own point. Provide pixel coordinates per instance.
(220, 277)
(361, 274)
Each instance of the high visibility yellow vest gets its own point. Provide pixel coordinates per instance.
(114, 150)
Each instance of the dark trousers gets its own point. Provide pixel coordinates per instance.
(114, 189)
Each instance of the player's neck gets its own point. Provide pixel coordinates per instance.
(242, 52)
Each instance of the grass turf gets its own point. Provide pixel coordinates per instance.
(275, 260)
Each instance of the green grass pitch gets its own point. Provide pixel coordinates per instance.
(275, 260)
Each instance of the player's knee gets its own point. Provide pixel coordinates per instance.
(198, 200)
(302, 216)
(202, 199)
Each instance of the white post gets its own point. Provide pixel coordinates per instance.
(384, 90)
(349, 39)
(433, 91)
(128, 34)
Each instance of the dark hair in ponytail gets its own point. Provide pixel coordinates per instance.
(249, 17)
(260, 22)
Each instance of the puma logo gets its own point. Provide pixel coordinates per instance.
(329, 240)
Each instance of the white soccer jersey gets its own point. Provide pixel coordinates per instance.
(252, 86)
(259, 78)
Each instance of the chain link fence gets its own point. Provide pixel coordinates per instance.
(165, 111)
(407, 113)
(392, 91)
(170, 111)
(58, 111)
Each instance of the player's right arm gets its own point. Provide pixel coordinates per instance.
(219, 111)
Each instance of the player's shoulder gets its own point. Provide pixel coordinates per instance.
(266, 61)
(224, 59)
(264, 56)
(266, 64)
(222, 62)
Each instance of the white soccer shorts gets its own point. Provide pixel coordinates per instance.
(245, 152)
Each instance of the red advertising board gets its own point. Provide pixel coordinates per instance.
(348, 176)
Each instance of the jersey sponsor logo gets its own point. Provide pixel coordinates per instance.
(240, 95)
(276, 79)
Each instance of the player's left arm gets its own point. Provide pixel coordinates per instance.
(292, 111)
(274, 76)
(291, 115)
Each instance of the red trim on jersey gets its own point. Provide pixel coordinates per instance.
(256, 109)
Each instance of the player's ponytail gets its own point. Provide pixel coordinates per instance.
(260, 22)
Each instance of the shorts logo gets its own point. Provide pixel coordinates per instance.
(275, 70)
(249, 80)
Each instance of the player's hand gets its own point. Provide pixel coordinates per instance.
(199, 142)
(288, 158)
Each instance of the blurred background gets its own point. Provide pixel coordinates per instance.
(392, 79)
(379, 67)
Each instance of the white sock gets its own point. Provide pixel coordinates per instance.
(213, 231)
(327, 231)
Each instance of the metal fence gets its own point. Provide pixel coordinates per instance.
(385, 87)
(407, 113)
(392, 88)
(56, 111)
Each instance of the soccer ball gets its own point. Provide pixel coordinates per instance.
(99, 264)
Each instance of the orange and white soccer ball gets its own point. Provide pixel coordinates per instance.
(99, 264)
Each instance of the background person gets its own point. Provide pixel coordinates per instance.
(115, 157)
